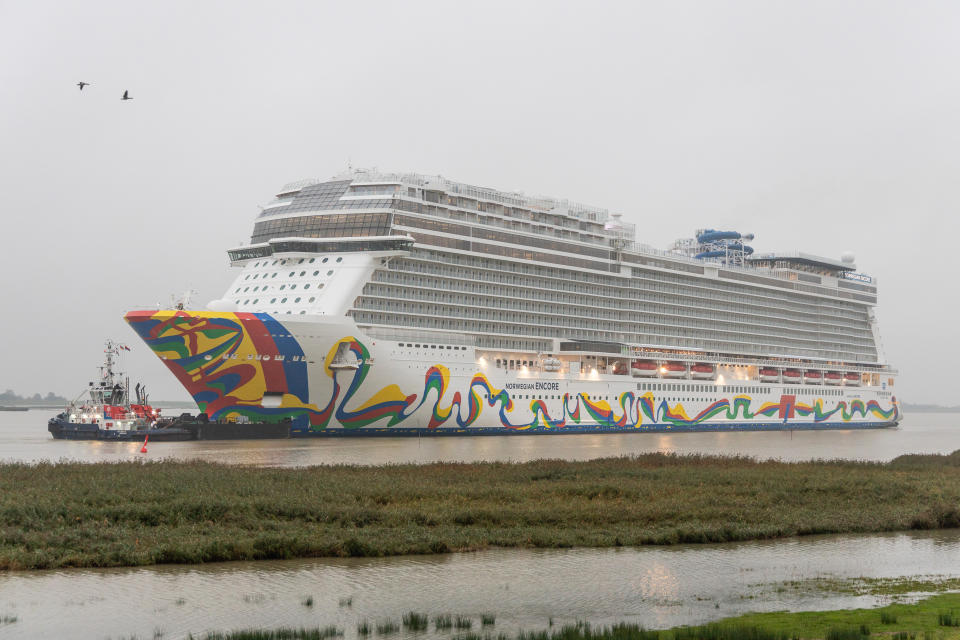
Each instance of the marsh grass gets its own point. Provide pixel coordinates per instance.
(443, 622)
(363, 629)
(415, 621)
(56, 515)
(321, 633)
(462, 622)
(888, 617)
(387, 627)
(308, 601)
(487, 619)
(8, 619)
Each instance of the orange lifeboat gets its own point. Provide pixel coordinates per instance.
(852, 379)
(791, 375)
(643, 368)
(769, 375)
(702, 371)
(812, 376)
(832, 377)
(673, 370)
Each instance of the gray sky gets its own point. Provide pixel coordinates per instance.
(820, 126)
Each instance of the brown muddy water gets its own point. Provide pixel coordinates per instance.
(656, 586)
(24, 437)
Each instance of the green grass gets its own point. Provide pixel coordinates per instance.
(133, 513)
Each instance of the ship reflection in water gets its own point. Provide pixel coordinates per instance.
(23, 437)
(655, 586)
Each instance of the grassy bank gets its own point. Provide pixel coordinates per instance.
(937, 618)
(82, 515)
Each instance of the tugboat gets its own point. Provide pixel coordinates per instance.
(104, 410)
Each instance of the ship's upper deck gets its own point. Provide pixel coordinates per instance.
(363, 203)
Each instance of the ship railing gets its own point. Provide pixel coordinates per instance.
(662, 356)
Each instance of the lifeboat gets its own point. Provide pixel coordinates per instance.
(832, 377)
(673, 370)
(552, 364)
(702, 371)
(643, 368)
(852, 379)
(769, 375)
(812, 376)
(791, 375)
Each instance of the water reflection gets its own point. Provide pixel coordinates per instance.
(23, 437)
(657, 587)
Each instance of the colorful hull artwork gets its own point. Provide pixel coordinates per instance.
(228, 361)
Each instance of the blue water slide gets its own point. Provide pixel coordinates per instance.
(711, 235)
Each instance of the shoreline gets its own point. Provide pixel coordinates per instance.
(56, 515)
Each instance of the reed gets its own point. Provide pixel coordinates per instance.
(487, 619)
(415, 621)
(364, 629)
(443, 622)
(55, 515)
(387, 627)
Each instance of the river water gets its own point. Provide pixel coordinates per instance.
(654, 586)
(24, 438)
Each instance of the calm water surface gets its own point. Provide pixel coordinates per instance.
(656, 587)
(24, 437)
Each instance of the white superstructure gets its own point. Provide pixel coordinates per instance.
(546, 312)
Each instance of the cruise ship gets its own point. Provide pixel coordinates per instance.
(380, 303)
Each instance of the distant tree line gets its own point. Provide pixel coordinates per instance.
(929, 408)
(8, 397)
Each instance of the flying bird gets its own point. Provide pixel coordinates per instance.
(126, 96)
(83, 84)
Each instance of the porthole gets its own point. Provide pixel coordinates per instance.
(306, 286)
(297, 300)
(324, 261)
(292, 273)
(264, 287)
(311, 260)
(311, 299)
(329, 273)
(273, 300)
(301, 261)
(339, 259)
(255, 276)
(316, 273)
(273, 275)
(256, 301)
(293, 286)
(282, 287)
(256, 288)
(246, 301)
(303, 312)
(319, 285)
(247, 277)
(246, 289)
(283, 300)
(302, 273)
(238, 290)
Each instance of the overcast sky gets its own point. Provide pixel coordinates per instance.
(819, 126)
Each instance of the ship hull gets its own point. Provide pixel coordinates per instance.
(326, 377)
